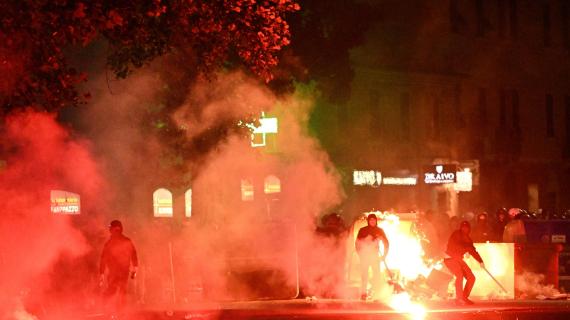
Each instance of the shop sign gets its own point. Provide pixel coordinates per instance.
(558, 238)
(64, 202)
(401, 181)
(440, 174)
(259, 133)
(366, 178)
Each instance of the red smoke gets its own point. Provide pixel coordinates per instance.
(41, 155)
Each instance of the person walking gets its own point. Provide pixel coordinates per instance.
(118, 260)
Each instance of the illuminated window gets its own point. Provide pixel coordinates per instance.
(246, 190)
(64, 202)
(162, 203)
(272, 185)
(188, 201)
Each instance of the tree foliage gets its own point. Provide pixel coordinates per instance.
(34, 36)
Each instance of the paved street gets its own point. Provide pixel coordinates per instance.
(345, 309)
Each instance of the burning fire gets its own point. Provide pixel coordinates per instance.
(408, 263)
(411, 264)
(405, 260)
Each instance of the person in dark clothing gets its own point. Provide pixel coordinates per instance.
(368, 249)
(332, 225)
(460, 243)
(502, 219)
(118, 256)
(482, 231)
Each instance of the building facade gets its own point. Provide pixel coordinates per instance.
(464, 81)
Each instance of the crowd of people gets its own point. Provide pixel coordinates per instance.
(504, 226)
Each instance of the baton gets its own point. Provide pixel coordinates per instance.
(397, 287)
(496, 281)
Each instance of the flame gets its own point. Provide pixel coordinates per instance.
(406, 253)
(402, 303)
(405, 260)
(408, 263)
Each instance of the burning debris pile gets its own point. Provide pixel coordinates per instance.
(415, 277)
(409, 265)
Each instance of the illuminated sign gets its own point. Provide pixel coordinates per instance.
(162, 203)
(464, 181)
(440, 174)
(267, 125)
(64, 202)
(259, 134)
(400, 181)
(366, 178)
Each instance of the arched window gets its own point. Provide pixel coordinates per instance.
(65, 202)
(272, 185)
(162, 203)
(188, 202)
(246, 190)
